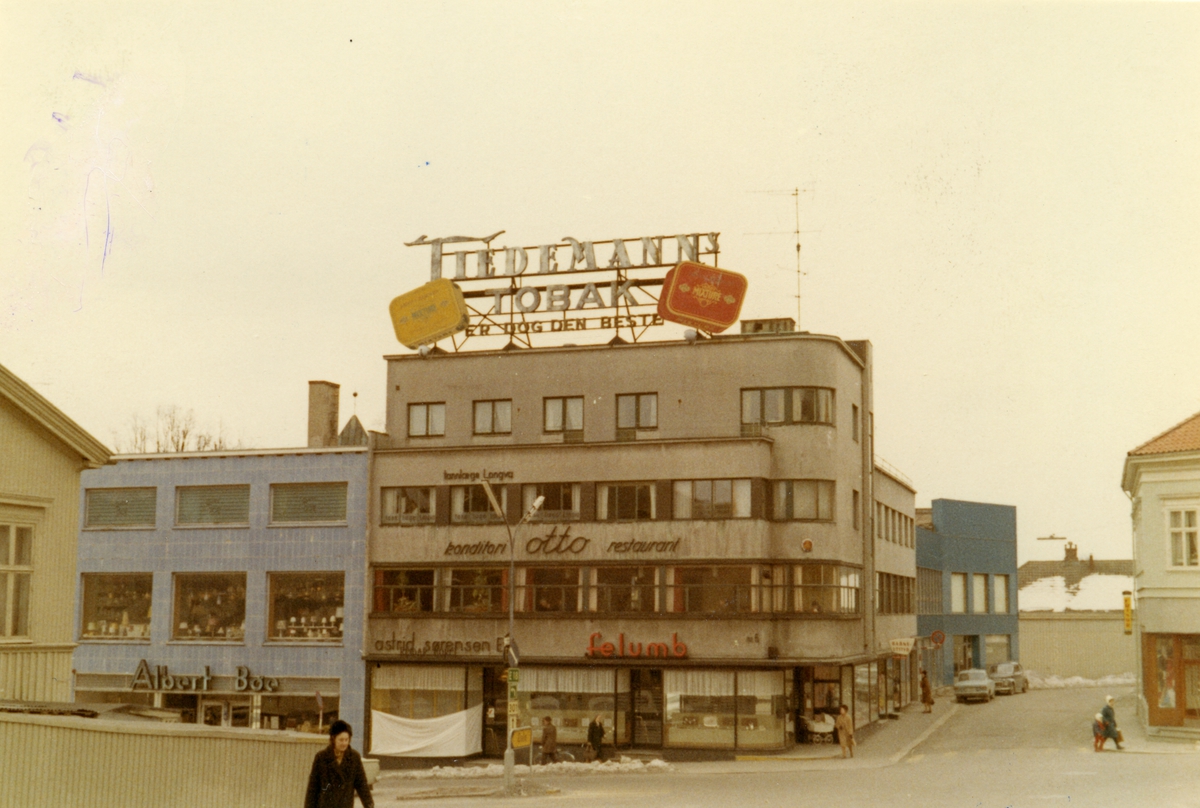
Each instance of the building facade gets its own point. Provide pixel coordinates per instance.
(226, 586)
(42, 453)
(704, 571)
(967, 585)
(1162, 479)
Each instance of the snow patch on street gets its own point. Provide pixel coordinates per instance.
(623, 766)
(1037, 682)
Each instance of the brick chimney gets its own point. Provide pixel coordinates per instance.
(1072, 551)
(322, 414)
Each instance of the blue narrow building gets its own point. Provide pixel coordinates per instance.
(226, 588)
(966, 586)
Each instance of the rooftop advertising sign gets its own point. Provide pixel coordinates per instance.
(572, 285)
(703, 297)
(428, 313)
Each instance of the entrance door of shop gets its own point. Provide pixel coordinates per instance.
(647, 689)
(225, 712)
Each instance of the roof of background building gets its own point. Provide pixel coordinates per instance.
(1183, 437)
(1072, 572)
(52, 419)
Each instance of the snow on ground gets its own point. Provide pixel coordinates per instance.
(1095, 593)
(1037, 682)
(623, 766)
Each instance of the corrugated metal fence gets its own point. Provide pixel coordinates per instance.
(35, 674)
(54, 761)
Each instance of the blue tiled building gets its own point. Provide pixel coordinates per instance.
(225, 587)
(967, 585)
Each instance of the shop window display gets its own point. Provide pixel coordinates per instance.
(412, 691)
(300, 713)
(862, 695)
(570, 698)
(306, 606)
(116, 606)
(700, 709)
(762, 710)
(210, 606)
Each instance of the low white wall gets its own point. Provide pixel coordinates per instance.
(54, 761)
(1087, 644)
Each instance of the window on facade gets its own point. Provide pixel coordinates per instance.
(854, 426)
(821, 588)
(426, 420)
(561, 501)
(894, 593)
(625, 501)
(478, 590)
(637, 411)
(563, 414)
(711, 590)
(997, 648)
(1184, 550)
(116, 606)
(979, 598)
(210, 606)
(212, 505)
(787, 405)
(16, 570)
(712, 499)
(407, 506)
(469, 504)
(624, 589)
(804, 500)
(550, 589)
(929, 591)
(958, 592)
(306, 606)
(297, 503)
(119, 507)
(403, 590)
(856, 503)
(1000, 593)
(493, 417)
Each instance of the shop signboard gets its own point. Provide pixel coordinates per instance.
(1128, 596)
(702, 297)
(902, 646)
(428, 313)
(570, 285)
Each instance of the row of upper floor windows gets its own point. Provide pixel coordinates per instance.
(634, 411)
(970, 593)
(780, 500)
(307, 607)
(216, 505)
(723, 589)
(893, 526)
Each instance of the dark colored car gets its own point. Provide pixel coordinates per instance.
(1009, 677)
(974, 683)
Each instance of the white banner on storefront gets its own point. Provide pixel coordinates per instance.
(451, 735)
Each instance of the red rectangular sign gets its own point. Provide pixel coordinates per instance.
(702, 297)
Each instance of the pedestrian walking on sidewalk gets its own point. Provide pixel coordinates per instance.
(845, 731)
(549, 741)
(595, 738)
(1109, 716)
(926, 692)
(1097, 732)
(337, 773)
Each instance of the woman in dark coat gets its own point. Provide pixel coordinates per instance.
(926, 692)
(337, 772)
(1109, 717)
(595, 737)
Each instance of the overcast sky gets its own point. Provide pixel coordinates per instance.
(204, 204)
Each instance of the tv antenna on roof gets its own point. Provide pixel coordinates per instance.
(795, 194)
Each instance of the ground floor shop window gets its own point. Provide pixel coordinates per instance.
(306, 606)
(210, 606)
(1171, 676)
(571, 698)
(997, 648)
(964, 652)
(863, 681)
(302, 713)
(412, 691)
(116, 606)
(700, 709)
(762, 707)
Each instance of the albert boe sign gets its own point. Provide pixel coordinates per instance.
(571, 285)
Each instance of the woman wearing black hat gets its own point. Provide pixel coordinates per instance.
(337, 772)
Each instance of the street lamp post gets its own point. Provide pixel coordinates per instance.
(511, 654)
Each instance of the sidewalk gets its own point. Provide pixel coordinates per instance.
(880, 745)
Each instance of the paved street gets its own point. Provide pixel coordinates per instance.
(1028, 750)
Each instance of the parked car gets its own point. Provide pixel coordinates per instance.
(1009, 677)
(974, 683)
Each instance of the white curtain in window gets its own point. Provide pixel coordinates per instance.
(763, 685)
(418, 677)
(566, 680)
(683, 499)
(741, 499)
(698, 683)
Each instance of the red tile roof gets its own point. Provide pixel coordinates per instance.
(1183, 437)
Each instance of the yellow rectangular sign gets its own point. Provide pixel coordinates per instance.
(522, 737)
(428, 313)
(1128, 612)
